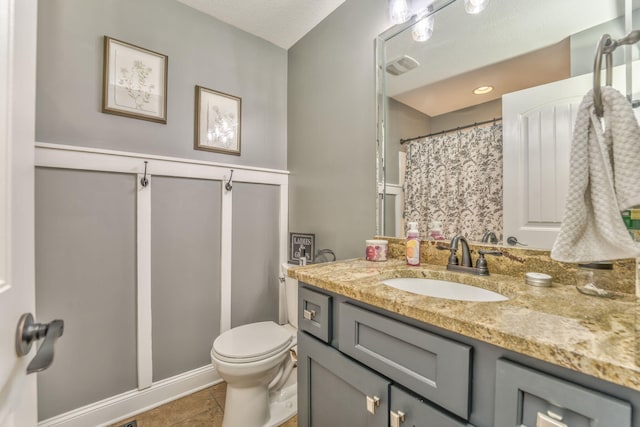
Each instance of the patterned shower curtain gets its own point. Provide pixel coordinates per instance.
(456, 178)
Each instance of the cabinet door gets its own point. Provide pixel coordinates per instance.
(408, 410)
(335, 391)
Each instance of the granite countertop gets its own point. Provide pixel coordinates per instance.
(595, 336)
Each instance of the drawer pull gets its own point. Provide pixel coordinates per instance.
(372, 403)
(397, 418)
(309, 314)
(549, 420)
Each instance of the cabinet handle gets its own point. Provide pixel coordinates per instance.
(372, 403)
(309, 314)
(397, 418)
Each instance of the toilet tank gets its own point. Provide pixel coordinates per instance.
(291, 296)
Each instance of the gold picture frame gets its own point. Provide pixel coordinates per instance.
(218, 121)
(134, 81)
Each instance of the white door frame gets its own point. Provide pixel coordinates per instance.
(18, 44)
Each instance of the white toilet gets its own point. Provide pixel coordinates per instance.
(257, 363)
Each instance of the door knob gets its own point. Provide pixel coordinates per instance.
(28, 332)
(513, 240)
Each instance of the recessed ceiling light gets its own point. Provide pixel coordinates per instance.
(482, 90)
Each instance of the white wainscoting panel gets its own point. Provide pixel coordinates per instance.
(150, 394)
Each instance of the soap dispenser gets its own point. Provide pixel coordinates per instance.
(413, 244)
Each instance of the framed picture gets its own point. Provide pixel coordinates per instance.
(134, 81)
(301, 244)
(218, 121)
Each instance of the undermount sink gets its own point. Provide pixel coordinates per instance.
(444, 289)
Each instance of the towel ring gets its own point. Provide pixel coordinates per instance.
(604, 42)
(605, 47)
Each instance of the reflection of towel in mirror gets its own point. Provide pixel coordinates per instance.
(604, 179)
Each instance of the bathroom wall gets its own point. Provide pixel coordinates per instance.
(201, 50)
(403, 122)
(88, 259)
(332, 128)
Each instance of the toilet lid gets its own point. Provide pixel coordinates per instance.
(251, 342)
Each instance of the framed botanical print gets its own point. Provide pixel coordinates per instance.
(134, 81)
(217, 121)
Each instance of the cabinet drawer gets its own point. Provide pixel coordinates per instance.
(523, 393)
(314, 313)
(434, 367)
(416, 412)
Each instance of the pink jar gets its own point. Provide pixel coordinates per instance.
(376, 250)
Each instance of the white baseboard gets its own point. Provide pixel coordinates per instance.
(112, 409)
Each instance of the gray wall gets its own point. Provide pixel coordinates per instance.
(201, 50)
(402, 122)
(185, 273)
(254, 267)
(86, 274)
(583, 44)
(332, 128)
(477, 113)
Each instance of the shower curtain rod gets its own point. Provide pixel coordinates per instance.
(495, 119)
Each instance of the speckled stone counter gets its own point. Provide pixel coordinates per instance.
(595, 336)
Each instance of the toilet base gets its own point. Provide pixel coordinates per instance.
(276, 406)
(283, 404)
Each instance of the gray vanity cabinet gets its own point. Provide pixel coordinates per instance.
(363, 366)
(336, 391)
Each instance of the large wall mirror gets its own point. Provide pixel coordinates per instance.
(495, 162)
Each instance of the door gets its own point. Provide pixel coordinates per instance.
(335, 391)
(18, 20)
(538, 130)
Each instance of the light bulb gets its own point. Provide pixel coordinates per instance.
(475, 6)
(423, 29)
(482, 90)
(399, 11)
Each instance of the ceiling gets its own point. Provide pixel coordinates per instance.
(467, 51)
(281, 22)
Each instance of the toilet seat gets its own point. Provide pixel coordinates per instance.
(252, 342)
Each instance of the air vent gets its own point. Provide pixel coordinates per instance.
(401, 65)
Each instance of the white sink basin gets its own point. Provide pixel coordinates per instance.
(444, 289)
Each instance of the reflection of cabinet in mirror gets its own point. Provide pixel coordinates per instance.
(538, 128)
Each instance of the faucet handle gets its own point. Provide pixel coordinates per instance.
(481, 263)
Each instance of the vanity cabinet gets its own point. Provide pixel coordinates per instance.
(338, 391)
(360, 365)
(391, 358)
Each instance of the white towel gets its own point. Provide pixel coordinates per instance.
(604, 180)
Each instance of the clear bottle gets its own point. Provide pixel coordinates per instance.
(413, 244)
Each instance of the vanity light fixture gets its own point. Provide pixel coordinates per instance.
(482, 90)
(423, 28)
(399, 11)
(475, 6)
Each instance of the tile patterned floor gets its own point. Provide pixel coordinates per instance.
(201, 409)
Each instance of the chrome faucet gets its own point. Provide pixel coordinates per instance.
(466, 266)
